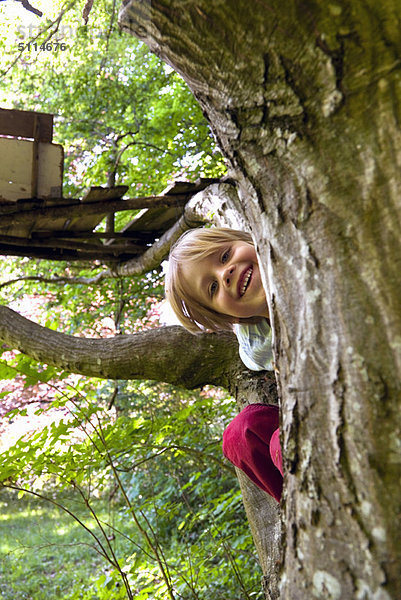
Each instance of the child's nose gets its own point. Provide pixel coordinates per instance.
(227, 276)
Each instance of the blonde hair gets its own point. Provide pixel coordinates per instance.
(194, 245)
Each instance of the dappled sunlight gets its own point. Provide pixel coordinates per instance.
(42, 548)
(26, 409)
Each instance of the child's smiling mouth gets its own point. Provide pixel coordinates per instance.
(244, 281)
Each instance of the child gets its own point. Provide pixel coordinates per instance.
(213, 283)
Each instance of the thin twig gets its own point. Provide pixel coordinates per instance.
(127, 537)
(194, 451)
(42, 497)
(31, 8)
(135, 518)
(108, 35)
(99, 524)
(41, 32)
(56, 280)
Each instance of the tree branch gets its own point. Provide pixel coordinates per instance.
(86, 11)
(31, 8)
(168, 354)
(206, 206)
(55, 22)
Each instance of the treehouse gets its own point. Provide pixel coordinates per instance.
(38, 222)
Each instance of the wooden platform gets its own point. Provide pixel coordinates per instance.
(69, 229)
(36, 221)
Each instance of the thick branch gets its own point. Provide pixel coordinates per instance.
(169, 354)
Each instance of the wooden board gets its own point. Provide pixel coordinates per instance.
(66, 230)
(155, 219)
(95, 194)
(161, 219)
(22, 123)
(16, 159)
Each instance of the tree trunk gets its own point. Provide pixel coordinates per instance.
(304, 99)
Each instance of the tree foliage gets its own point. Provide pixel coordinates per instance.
(176, 526)
(120, 111)
(136, 465)
(122, 116)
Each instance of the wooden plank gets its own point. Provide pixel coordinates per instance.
(67, 210)
(57, 244)
(139, 237)
(64, 254)
(161, 219)
(16, 168)
(189, 187)
(155, 219)
(96, 194)
(64, 231)
(21, 123)
(35, 159)
(84, 222)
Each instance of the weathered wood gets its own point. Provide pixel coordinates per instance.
(27, 227)
(205, 206)
(84, 245)
(30, 169)
(21, 123)
(144, 237)
(65, 210)
(159, 219)
(97, 193)
(163, 218)
(35, 160)
(105, 254)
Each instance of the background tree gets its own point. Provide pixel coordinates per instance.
(154, 134)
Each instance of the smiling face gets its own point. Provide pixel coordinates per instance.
(228, 281)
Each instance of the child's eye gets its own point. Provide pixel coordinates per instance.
(213, 288)
(225, 256)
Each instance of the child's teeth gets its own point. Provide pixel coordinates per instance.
(246, 279)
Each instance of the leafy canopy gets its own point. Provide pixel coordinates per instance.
(122, 116)
(119, 110)
(170, 523)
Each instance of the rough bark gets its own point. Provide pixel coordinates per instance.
(305, 101)
(168, 354)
